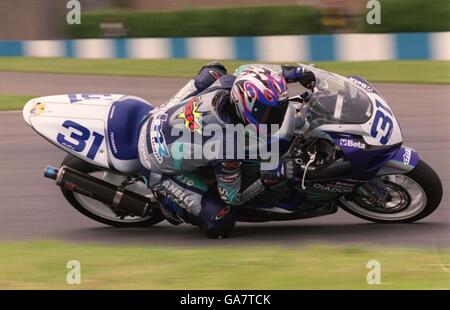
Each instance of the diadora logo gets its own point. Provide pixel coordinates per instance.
(338, 187)
(157, 139)
(192, 118)
(352, 143)
(332, 188)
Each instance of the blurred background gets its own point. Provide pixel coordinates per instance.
(45, 19)
(306, 29)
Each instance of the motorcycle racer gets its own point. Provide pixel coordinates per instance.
(256, 95)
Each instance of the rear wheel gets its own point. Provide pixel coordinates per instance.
(100, 212)
(408, 197)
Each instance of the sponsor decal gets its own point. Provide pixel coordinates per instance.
(229, 178)
(229, 167)
(222, 213)
(184, 179)
(336, 187)
(352, 143)
(178, 194)
(190, 115)
(223, 193)
(112, 140)
(407, 156)
(362, 84)
(157, 139)
(38, 109)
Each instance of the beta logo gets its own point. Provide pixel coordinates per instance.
(352, 143)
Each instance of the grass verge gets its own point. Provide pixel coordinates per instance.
(13, 102)
(428, 72)
(42, 265)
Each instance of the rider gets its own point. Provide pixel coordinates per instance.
(255, 95)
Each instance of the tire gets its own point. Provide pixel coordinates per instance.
(82, 166)
(429, 182)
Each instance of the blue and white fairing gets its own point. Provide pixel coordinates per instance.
(101, 129)
(361, 123)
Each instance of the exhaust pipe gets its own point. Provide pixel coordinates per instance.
(116, 197)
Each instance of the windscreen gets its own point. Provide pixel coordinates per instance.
(337, 101)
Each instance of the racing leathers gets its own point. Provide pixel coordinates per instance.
(190, 135)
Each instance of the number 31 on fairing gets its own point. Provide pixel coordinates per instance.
(383, 125)
(77, 139)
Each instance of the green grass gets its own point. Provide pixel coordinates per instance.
(429, 72)
(42, 265)
(13, 102)
(423, 72)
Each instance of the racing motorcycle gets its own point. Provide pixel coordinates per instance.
(353, 159)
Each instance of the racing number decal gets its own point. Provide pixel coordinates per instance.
(386, 125)
(384, 120)
(79, 135)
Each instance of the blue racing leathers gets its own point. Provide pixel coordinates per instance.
(191, 133)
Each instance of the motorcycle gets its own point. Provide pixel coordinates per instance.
(353, 158)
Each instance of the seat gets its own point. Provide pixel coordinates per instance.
(123, 126)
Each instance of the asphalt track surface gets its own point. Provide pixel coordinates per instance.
(32, 207)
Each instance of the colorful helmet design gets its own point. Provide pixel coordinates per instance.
(260, 96)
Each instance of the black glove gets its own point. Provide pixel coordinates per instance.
(214, 65)
(307, 79)
(285, 171)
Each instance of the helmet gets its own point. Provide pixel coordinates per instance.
(260, 96)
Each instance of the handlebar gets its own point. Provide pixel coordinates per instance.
(302, 98)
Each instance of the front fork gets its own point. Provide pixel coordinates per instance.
(405, 160)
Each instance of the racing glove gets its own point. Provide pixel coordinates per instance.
(278, 178)
(299, 74)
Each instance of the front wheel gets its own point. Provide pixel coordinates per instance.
(97, 210)
(400, 198)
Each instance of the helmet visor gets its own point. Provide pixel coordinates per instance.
(274, 115)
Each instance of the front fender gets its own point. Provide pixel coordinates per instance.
(405, 160)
